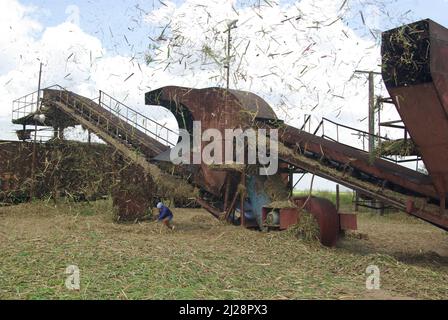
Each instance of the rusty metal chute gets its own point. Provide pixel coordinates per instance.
(415, 71)
(215, 108)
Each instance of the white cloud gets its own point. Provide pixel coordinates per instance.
(17, 31)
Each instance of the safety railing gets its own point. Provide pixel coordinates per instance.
(134, 118)
(28, 104)
(341, 130)
(343, 134)
(102, 119)
(25, 105)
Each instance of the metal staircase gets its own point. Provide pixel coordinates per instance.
(134, 135)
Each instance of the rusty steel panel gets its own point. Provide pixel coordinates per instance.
(215, 108)
(415, 70)
(288, 217)
(253, 103)
(326, 215)
(348, 222)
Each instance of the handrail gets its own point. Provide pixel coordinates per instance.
(358, 130)
(362, 133)
(144, 119)
(81, 106)
(140, 114)
(307, 121)
(27, 104)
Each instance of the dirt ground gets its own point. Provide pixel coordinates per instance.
(207, 259)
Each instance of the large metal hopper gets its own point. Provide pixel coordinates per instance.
(415, 71)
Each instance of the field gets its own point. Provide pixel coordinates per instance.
(207, 259)
(345, 198)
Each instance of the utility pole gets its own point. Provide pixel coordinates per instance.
(371, 75)
(230, 25)
(229, 40)
(371, 112)
(33, 164)
(39, 86)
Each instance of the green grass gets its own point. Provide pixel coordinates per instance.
(206, 259)
(345, 198)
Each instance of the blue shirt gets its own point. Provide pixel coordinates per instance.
(165, 213)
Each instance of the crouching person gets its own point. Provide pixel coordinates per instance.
(165, 215)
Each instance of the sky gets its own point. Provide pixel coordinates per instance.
(124, 17)
(298, 55)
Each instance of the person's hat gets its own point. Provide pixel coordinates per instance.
(159, 205)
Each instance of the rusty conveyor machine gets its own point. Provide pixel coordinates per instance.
(400, 187)
(420, 95)
(422, 104)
